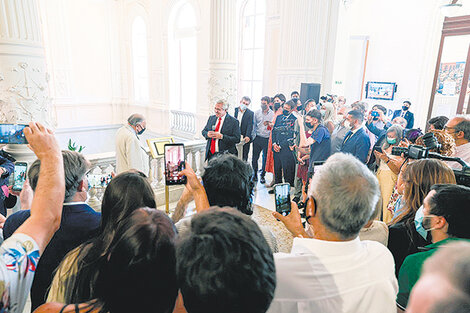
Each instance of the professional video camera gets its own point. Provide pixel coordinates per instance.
(430, 142)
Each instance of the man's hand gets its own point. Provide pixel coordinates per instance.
(2, 170)
(46, 208)
(292, 221)
(299, 159)
(196, 189)
(42, 141)
(218, 135)
(246, 139)
(276, 147)
(26, 195)
(211, 134)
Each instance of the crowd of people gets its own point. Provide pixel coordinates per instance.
(370, 229)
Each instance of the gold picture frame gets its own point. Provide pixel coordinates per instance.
(157, 145)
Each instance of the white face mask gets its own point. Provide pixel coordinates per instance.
(347, 124)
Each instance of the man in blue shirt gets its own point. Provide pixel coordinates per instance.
(356, 142)
(79, 222)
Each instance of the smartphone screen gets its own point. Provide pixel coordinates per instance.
(174, 164)
(282, 198)
(98, 180)
(379, 149)
(12, 134)
(19, 175)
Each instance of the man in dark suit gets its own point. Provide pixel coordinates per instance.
(246, 118)
(356, 141)
(222, 131)
(78, 224)
(6, 168)
(407, 115)
(283, 136)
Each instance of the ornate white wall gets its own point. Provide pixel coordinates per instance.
(24, 93)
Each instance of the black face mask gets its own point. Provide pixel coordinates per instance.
(285, 112)
(375, 119)
(404, 108)
(264, 107)
(309, 125)
(141, 131)
(276, 106)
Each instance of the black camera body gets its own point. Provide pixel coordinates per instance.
(412, 152)
(419, 152)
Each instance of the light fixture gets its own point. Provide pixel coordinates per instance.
(451, 9)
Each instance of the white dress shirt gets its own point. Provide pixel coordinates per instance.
(220, 130)
(334, 277)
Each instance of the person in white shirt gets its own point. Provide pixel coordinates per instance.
(459, 129)
(130, 154)
(334, 271)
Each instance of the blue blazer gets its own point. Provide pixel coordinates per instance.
(358, 145)
(409, 117)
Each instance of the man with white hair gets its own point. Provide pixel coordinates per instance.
(130, 154)
(334, 271)
(222, 131)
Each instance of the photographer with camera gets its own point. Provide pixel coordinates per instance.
(377, 121)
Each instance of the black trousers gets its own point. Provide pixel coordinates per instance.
(246, 150)
(284, 163)
(259, 144)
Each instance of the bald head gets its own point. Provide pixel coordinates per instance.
(459, 128)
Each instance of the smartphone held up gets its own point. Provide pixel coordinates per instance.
(175, 162)
(12, 134)
(282, 198)
(19, 175)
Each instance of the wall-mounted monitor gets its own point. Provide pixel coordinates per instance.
(380, 90)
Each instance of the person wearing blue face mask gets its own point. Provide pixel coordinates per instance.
(419, 176)
(387, 178)
(130, 154)
(445, 217)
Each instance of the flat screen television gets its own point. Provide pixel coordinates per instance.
(380, 90)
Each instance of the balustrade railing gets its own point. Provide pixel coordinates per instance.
(105, 163)
(183, 123)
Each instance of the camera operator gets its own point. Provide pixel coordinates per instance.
(283, 141)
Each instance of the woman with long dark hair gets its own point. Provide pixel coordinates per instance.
(75, 278)
(418, 178)
(137, 273)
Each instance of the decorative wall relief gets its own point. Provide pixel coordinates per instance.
(222, 86)
(24, 95)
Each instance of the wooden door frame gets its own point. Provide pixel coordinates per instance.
(453, 26)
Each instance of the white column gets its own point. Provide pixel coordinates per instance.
(24, 93)
(307, 43)
(222, 79)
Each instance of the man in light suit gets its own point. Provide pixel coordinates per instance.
(246, 118)
(356, 141)
(222, 131)
(130, 154)
(407, 115)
